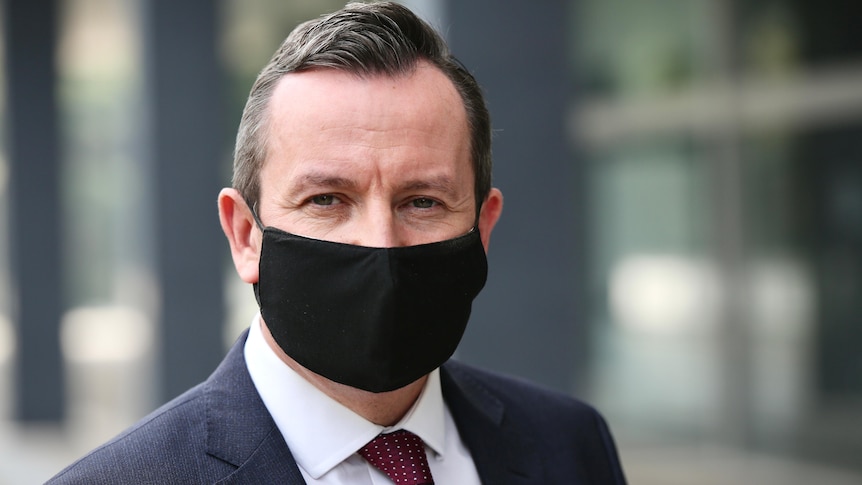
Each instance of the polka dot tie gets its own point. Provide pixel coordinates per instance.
(401, 456)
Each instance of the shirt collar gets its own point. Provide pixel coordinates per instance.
(426, 418)
(320, 432)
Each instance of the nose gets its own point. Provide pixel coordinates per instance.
(377, 228)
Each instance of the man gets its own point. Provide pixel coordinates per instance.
(361, 211)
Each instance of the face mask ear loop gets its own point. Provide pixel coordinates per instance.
(253, 209)
(478, 216)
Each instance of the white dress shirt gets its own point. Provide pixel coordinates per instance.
(324, 435)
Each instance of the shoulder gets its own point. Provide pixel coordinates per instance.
(571, 434)
(172, 444)
(165, 445)
(520, 396)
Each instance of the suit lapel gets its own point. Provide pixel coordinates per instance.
(270, 462)
(501, 453)
(240, 430)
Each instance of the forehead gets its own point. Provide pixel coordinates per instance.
(326, 115)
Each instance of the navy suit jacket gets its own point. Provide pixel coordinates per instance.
(220, 432)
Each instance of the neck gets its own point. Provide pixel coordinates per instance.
(382, 408)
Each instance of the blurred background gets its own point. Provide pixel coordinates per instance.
(681, 245)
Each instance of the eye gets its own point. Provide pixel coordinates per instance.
(423, 203)
(324, 199)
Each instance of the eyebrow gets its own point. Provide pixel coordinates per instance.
(442, 183)
(315, 179)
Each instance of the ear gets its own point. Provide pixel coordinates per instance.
(241, 232)
(492, 207)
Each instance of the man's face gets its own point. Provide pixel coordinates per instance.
(380, 161)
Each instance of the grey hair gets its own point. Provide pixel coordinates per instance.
(363, 39)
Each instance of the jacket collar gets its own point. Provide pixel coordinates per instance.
(501, 453)
(241, 432)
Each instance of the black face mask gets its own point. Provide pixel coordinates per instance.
(372, 318)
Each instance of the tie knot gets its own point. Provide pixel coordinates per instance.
(401, 456)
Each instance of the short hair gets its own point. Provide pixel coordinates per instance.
(364, 39)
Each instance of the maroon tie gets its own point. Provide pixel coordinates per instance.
(401, 456)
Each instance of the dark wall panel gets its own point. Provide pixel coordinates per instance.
(185, 141)
(34, 188)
